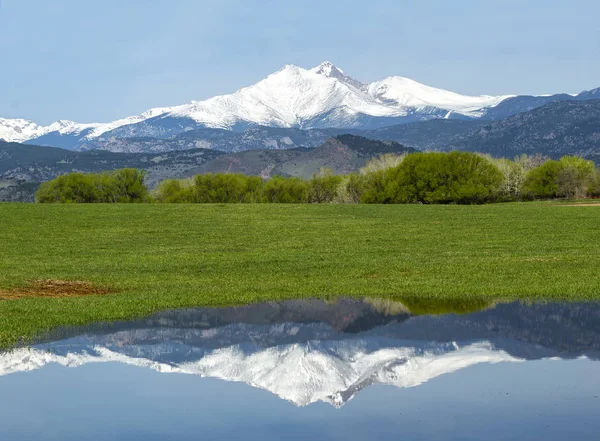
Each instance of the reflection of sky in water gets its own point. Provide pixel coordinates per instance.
(485, 375)
(551, 400)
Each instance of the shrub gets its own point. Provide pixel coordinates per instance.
(541, 182)
(442, 178)
(350, 189)
(594, 189)
(280, 190)
(125, 185)
(175, 191)
(74, 187)
(575, 177)
(226, 188)
(323, 187)
(571, 177)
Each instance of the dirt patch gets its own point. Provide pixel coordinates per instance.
(54, 289)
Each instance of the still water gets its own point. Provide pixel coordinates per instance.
(349, 370)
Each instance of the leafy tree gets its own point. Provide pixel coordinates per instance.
(74, 187)
(541, 182)
(351, 189)
(569, 178)
(442, 178)
(128, 185)
(594, 189)
(324, 186)
(575, 177)
(125, 185)
(280, 190)
(174, 191)
(373, 187)
(226, 188)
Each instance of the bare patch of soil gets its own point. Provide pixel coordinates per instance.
(53, 289)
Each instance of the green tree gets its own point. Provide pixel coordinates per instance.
(571, 177)
(541, 182)
(324, 186)
(125, 185)
(129, 186)
(594, 190)
(70, 188)
(281, 190)
(575, 177)
(351, 189)
(442, 178)
(227, 188)
(174, 191)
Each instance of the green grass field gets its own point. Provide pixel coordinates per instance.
(168, 256)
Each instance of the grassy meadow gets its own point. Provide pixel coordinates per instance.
(154, 256)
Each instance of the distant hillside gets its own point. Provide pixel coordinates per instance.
(343, 154)
(556, 129)
(23, 165)
(253, 138)
(13, 190)
(427, 135)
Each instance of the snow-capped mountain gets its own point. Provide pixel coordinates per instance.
(322, 97)
(19, 130)
(66, 133)
(293, 97)
(332, 370)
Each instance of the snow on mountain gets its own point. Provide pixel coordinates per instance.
(100, 129)
(19, 130)
(291, 97)
(326, 97)
(404, 92)
(300, 363)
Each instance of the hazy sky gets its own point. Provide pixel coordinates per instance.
(98, 60)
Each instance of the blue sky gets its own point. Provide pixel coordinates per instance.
(98, 60)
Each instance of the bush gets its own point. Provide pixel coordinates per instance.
(280, 190)
(350, 189)
(575, 177)
(323, 187)
(541, 182)
(571, 177)
(175, 191)
(125, 185)
(442, 178)
(226, 188)
(594, 190)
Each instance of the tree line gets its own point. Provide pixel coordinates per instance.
(426, 178)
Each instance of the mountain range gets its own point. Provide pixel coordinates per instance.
(323, 97)
(23, 167)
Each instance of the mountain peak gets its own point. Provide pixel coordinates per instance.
(328, 69)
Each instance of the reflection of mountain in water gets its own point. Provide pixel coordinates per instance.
(307, 351)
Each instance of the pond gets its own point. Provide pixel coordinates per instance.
(352, 369)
